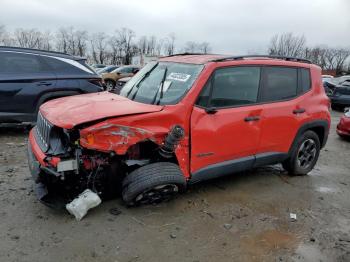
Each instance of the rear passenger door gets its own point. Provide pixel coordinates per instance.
(282, 94)
(22, 76)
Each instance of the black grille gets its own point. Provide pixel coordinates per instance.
(43, 130)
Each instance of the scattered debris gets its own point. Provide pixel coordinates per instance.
(293, 217)
(10, 170)
(208, 213)
(228, 226)
(115, 211)
(80, 205)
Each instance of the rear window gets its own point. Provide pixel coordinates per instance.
(279, 83)
(20, 63)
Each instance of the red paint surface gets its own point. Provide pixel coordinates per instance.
(224, 135)
(343, 128)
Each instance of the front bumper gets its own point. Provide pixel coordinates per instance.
(40, 166)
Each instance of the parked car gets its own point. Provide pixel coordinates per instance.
(29, 78)
(98, 66)
(120, 83)
(110, 79)
(179, 121)
(339, 94)
(343, 127)
(107, 69)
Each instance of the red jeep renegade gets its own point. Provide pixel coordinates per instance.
(181, 120)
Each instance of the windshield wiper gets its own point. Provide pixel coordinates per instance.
(161, 88)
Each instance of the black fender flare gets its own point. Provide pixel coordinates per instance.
(320, 124)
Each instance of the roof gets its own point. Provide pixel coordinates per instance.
(191, 58)
(206, 58)
(40, 52)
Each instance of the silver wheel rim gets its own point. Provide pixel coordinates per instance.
(109, 86)
(157, 194)
(306, 153)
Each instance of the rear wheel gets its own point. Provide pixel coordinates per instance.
(153, 183)
(304, 155)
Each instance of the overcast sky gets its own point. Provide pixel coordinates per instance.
(230, 26)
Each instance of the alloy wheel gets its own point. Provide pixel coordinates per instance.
(157, 194)
(306, 153)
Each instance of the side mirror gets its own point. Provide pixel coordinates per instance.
(211, 110)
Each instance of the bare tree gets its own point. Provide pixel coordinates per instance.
(205, 48)
(5, 38)
(194, 47)
(170, 44)
(99, 50)
(28, 38)
(126, 36)
(287, 45)
(142, 45)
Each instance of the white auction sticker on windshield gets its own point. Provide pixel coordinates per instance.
(179, 77)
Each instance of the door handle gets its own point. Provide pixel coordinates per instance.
(299, 111)
(252, 118)
(44, 83)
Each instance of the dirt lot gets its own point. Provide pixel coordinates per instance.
(245, 217)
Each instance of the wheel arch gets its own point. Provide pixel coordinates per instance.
(320, 127)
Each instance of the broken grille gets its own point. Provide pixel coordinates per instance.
(43, 129)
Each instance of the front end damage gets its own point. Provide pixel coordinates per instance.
(64, 163)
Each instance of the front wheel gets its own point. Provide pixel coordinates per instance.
(110, 85)
(153, 183)
(304, 154)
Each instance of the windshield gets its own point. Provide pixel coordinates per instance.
(162, 83)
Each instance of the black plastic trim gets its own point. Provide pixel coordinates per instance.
(237, 165)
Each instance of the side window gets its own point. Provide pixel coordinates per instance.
(235, 86)
(203, 97)
(20, 63)
(61, 66)
(304, 80)
(279, 83)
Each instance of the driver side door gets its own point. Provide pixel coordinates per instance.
(225, 126)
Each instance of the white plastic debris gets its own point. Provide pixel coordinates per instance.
(81, 204)
(293, 216)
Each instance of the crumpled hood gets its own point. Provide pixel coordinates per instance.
(68, 112)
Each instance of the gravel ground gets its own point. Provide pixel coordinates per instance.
(244, 217)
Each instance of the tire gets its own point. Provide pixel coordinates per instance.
(110, 85)
(304, 154)
(153, 183)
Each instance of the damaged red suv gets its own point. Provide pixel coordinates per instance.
(181, 120)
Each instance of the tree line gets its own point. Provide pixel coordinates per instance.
(328, 58)
(100, 48)
(123, 44)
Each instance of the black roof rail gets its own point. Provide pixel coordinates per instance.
(186, 53)
(40, 51)
(286, 58)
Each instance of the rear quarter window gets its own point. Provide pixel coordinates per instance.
(279, 83)
(304, 80)
(66, 66)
